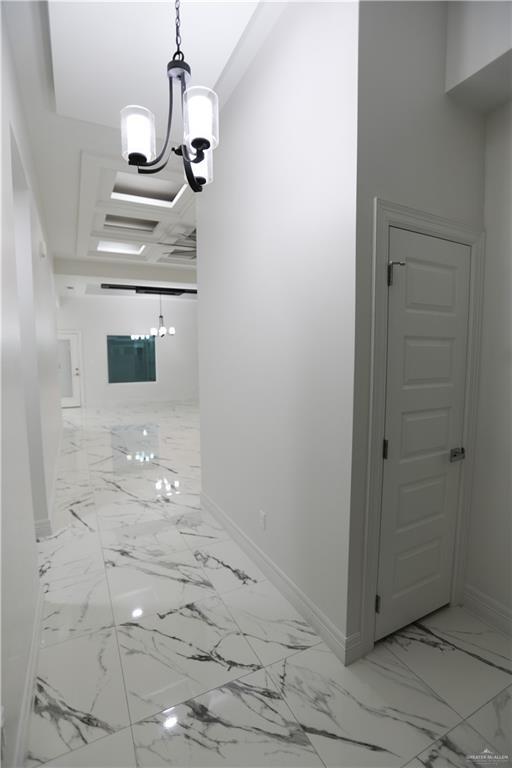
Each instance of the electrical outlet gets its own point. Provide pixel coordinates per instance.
(263, 519)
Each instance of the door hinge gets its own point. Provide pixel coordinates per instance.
(392, 264)
(377, 603)
(385, 449)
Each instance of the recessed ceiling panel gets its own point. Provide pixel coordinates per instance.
(178, 256)
(111, 246)
(146, 186)
(128, 222)
(106, 55)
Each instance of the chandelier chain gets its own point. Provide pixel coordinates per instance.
(178, 54)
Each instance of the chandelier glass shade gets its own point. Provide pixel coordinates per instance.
(137, 132)
(161, 329)
(200, 111)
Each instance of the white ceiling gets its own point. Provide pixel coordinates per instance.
(77, 64)
(106, 55)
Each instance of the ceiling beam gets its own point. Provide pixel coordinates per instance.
(183, 275)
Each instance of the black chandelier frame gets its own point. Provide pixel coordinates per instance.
(177, 70)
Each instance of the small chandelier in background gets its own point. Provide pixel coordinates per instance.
(200, 110)
(161, 330)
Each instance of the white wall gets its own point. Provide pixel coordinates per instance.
(276, 260)
(44, 309)
(478, 33)
(37, 306)
(21, 471)
(489, 579)
(416, 148)
(176, 357)
(29, 361)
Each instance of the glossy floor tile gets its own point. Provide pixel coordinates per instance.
(199, 528)
(458, 656)
(374, 713)
(271, 625)
(244, 723)
(79, 696)
(116, 751)
(163, 644)
(127, 514)
(142, 579)
(156, 536)
(227, 566)
(460, 748)
(171, 657)
(494, 722)
(71, 552)
(75, 606)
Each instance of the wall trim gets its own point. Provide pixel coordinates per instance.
(22, 736)
(43, 528)
(386, 215)
(488, 609)
(81, 384)
(345, 647)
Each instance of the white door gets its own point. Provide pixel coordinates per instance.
(69, 369)
(426, 375)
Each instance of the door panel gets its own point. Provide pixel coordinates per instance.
(65, 375)
(426, 372)
(69, 369)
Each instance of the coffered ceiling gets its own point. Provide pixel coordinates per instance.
(124, 217)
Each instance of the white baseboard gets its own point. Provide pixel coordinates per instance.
(489, 610)
(51, 502)
(347, 649)
(22, 736)
(43, 528)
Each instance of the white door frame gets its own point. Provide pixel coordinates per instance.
(78, 334)
(388, 215)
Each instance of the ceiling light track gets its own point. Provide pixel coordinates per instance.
(200, 110)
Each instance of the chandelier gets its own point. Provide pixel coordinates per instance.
(159, 330)
(200, 111)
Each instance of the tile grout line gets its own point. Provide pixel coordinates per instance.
(125, 689)
(462, 722)
(225, 685)
(488, 701)
(416, 674)
(487, 623)
(485, 704)
(462, 718)
(84, 746)
(242, 632)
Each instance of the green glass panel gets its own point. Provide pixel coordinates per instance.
(130, 360)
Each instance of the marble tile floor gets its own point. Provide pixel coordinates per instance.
(162, 644)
